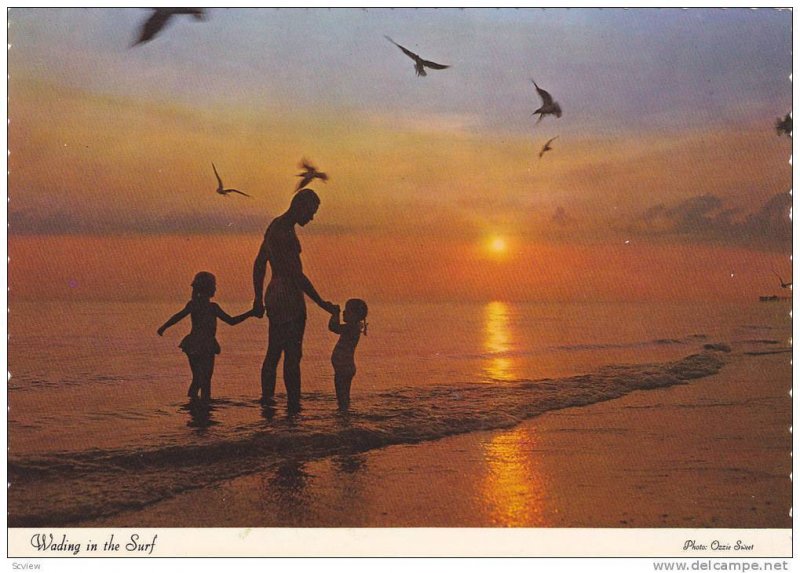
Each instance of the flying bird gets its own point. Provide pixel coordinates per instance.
(419, 63)
(784, 126)
(783, 284)
(549, 107)
(221, 188)
(547, 147)
(309, 174)
(160, 17)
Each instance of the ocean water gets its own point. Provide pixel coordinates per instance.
(99, 422)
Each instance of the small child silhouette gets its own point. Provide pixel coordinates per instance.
(201, 345)
(343, 359)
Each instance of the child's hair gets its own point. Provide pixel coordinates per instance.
(204, 285)
(359, 309)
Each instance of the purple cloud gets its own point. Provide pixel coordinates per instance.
(707, 218)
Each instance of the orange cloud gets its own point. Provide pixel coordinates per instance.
(88, 164)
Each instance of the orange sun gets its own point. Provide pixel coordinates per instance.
(497, 245)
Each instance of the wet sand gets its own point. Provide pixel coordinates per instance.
(712, 453)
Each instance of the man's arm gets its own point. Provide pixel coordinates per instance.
(333, 324)
(295, 268)
(288, 260)
(312, 293)
(259, 272)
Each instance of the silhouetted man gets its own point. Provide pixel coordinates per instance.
(284, 300)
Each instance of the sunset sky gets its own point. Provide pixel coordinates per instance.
(667, 180)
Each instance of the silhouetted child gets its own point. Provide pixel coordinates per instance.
(201, 345)
(343, 359)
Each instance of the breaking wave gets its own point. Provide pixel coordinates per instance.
(66, 488)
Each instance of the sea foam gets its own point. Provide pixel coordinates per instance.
(61, 488)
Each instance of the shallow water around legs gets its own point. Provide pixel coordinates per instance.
(94, 391)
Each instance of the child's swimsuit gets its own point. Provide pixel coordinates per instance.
(202, 339)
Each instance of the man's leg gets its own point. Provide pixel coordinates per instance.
(293, 353)
(269, 370)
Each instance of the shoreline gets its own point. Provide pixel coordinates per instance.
(690, 455)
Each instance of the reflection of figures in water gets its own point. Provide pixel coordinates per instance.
(284, 300)
(343, 357)
(284, 492)
(349, 464)
(267, 411)
(290, 477)
(348, 486)
(200, 415)
(201, 345)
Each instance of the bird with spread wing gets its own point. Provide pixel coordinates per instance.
(309, 174)
(160, 17)
(419, 63)
(221, 188)
(547, 147)
(784, 126)
(548, 107)
(783, 284)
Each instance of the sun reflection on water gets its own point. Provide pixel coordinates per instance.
(497, 341)
(514, 486)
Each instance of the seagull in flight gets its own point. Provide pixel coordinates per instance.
(221, 188)
(547, 147)
(419, 63)
(783, 284)
(549, 107)
(309, 174)
(160, 17)
(784, 126)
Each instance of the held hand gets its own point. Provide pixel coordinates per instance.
(329, 307)
(258, 308)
